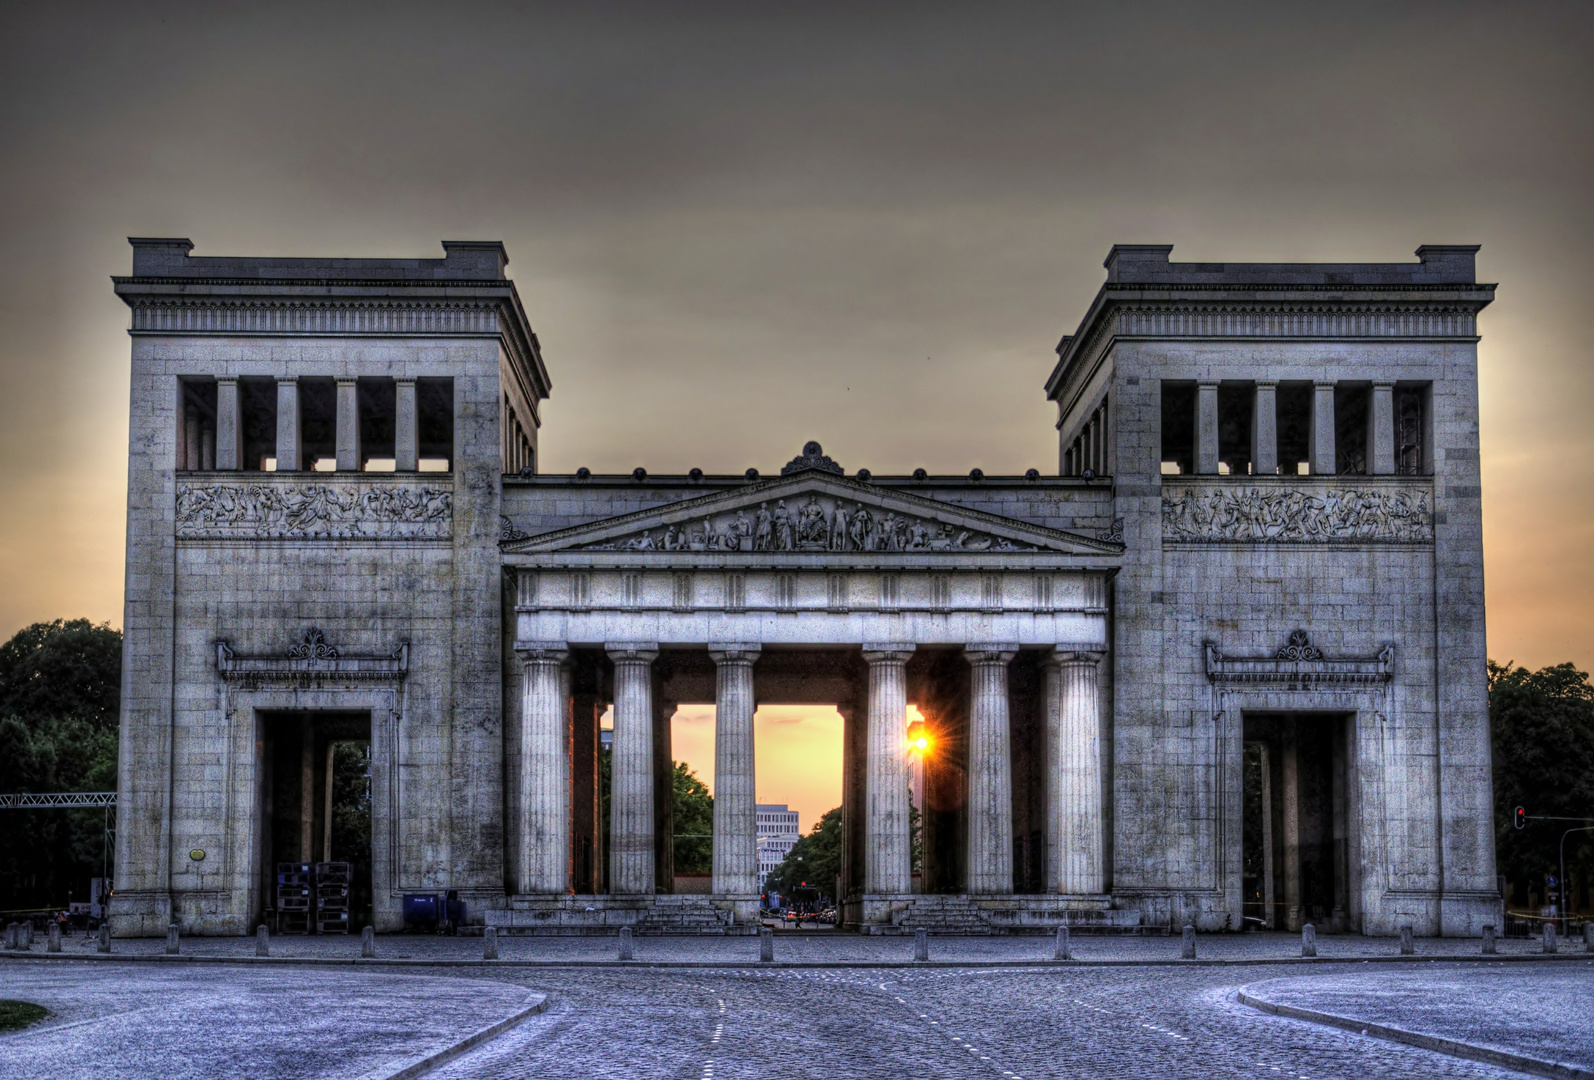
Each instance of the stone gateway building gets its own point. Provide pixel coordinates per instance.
(1225, 667)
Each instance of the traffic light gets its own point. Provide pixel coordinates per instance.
(1521, 817)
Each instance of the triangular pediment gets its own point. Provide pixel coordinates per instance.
(812, 513)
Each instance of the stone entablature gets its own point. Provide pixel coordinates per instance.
(991, 591)
(295, 507)
(1297, 510)
(813, 513)
(312, 663)
(1298, 665)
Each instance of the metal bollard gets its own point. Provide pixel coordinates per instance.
(1188, 953)
(27, 934)
(1063, 951)
(368, 943)
(1488, 940)
(1550, 944)
(1407, 947)
(1308, 940)
(766, 945)
(105, 937)
(625, 943)
(490, 943)
(262, 941)
(54, 940)
(921, 945)
(172, 946)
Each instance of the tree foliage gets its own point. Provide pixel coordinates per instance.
(813, 862)
(1543, 732)
(62, 668)
(59, 699)
(694, 823)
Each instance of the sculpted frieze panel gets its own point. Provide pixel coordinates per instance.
(1296, 514)
(314, 511)
(820, 523)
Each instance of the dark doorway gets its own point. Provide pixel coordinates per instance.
(316, 809)
(1295, 865)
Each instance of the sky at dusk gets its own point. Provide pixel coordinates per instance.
(736, 227)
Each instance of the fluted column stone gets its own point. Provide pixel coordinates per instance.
(990, 854)
(347, 441)
(290, 449)
(631, 862)
(735, 796)
(406, 429)
(544, 764)
(887, 863)
(1076, 826)
(229, 426)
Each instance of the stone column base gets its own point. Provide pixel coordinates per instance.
(140, 912)
(665, 913)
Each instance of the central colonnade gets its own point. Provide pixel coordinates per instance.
(870, 685)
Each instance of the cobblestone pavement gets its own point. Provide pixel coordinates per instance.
(819, 948)
(1022, 1023)
(115, 1021)
(1544, 1013)
(1000, 1024)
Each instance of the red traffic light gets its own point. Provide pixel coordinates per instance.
(1521, 817)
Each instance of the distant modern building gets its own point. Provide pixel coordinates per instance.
(778, 832)
(1227, 663)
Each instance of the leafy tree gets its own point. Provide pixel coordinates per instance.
(62, 668)
(694, 823)
(59, 699)
(1543, 732)
(814, 859)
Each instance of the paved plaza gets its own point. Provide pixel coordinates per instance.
(695, 1008)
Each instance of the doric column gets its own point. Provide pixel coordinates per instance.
(1381, 430)
(348, 435)
(1321, 449)
(887, 861)
(1206, 428)
(406, 431)
(1076, 843)
(735, 797)
(229, 425)
(1265, 430)
(544, 836)
(631, 771)
(990, 868)
(289, 448)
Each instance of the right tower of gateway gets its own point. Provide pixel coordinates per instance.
(1299, 716)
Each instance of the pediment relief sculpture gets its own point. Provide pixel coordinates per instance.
(810, 525)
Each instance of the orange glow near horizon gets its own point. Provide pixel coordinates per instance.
(796, 753)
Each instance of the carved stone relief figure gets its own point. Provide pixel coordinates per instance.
(814, 526)
(1297, 515)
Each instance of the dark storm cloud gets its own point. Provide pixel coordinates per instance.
(740, 226)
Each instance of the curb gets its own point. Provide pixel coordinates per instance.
(1453, 1047)
(761, 965)
(464, 1046)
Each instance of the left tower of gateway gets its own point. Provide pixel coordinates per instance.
(312, 558)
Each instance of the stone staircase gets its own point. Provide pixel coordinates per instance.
(943, 914)
(683, 915)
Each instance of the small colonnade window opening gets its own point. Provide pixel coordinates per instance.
(315, 424)
(1295, 428)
